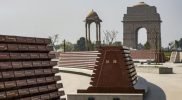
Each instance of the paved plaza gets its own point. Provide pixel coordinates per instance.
(160, 86)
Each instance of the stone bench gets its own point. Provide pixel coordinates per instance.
(165, 70)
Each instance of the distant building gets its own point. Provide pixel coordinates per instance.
(142, 16)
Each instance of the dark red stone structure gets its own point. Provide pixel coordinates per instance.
(26, 69)
(114, 72)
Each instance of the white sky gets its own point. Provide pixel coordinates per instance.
(42, 18)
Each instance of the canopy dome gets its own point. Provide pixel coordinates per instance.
(141, 4)
(92, 14)
(93, 17)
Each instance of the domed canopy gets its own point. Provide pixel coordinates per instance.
(93, 17)
(92, 13)
(141, 4)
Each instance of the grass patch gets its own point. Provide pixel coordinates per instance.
(167, 54)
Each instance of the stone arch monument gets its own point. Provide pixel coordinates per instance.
(142, 16)
(92, 17)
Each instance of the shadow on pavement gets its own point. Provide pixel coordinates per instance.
(154, 93)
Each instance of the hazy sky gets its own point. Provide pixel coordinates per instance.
(42, 18)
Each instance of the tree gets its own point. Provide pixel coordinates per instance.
(180, 43)
(172, 45)
(93, 46)
(80, 46)
(175, 45)
(117, 43)
(110, 36)
(140, 46)
(54, 41)
(68, 46)
(147, 45)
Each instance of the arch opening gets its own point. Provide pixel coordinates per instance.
(141, 38)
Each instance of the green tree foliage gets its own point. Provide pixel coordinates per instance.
(140, 46)
(68, 46)
(147, 45)
(117, 43)
(57, 47)
(180, 43)
(175, 45)
(93, 46)
(80, 45)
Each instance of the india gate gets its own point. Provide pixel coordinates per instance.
(142, 16)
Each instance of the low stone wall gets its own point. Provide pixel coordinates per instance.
(99, 96)
(165, 70)
(153, 69)
(147, 69)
